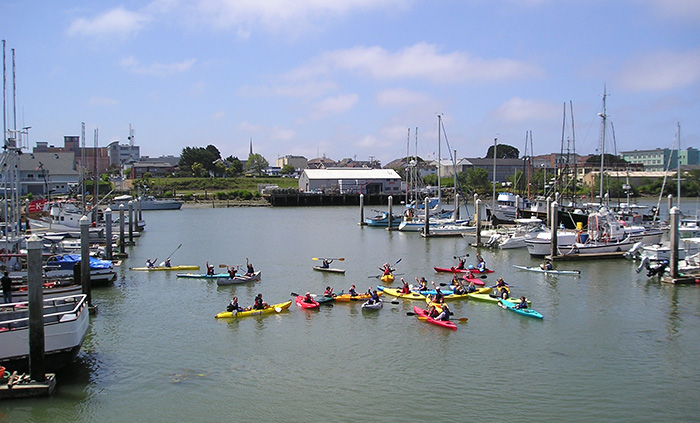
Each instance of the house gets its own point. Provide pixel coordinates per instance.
(351, 180)
(299, 162)
(43, 173)
(156, 169)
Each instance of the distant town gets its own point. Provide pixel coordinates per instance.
(58, 169)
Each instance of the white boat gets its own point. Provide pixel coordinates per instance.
(548, 272)
(373, 306)
(238, 279)
(66, 322)
(450, 229)
(515, 237)
(605, 235)
(505, 211)
(147, 203)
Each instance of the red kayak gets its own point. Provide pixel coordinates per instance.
(455, 270)
(444, 323)
(301, 302)
(475, 280)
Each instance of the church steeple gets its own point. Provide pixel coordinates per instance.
(251, 147)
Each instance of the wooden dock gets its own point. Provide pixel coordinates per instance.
(682, 280)
(21, 386)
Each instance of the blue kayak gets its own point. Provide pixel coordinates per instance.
(524, 311)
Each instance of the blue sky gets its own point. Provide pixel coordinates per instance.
(348, 78)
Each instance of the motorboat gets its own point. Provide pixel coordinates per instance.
(147, 203)
(66, 322)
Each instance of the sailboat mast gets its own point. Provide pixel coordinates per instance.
(408, 168)
(493, 197)
(604, 116)
(678, 163)
(439, 160)
(573, 145)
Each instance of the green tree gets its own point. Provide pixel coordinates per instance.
(235, 166)
(504, 151)
(219, 169)
(198, 170)
(204, 156)
(257, 163)
(287, 169)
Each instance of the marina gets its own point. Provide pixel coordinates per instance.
(155, 346)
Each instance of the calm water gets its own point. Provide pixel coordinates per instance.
(613, 346)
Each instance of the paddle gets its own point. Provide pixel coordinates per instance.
(328, 258)
(457, 257)
(171, 254)
(224, 266)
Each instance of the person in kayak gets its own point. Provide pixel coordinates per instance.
(151, 264)
(422, 283)
(481, 265)
(250, 270)
(439, 297)
(326, 263)
(522, 304)
(308, 298)
(352, 291)
(455, 279)
(232, 272)
(259, 304)
(471, 288)
(502, 289)
(431, 311)
(328, 292)
(460, 264)
(374, 299)
(210, 269)
(445, 314)
(167, 263)
(459, 288)
(405, 289)
(386, 268)
(233, 305)
(547, 265)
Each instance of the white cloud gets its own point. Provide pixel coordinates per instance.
(118, 22)
(333, 105)
(246, 126)
(662, 71)
(422, 60)
(518, 110)
(156, 69)
(401, 97)
(282, 134)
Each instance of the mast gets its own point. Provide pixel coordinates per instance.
(408, 167)
(493, 198)
(573, 146)
(678, 163)
(602, 144)
(439, 161)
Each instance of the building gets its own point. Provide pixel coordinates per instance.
(505, 168)
(351, 180)
(320, 163)
(299, 162)
(43, 173)
(121, 154)
(156, 169)
(90, 158)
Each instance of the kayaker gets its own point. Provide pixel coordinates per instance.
(259, 304)
(422, 283)
(352, 291)
(439, 297)
(210, 269)
(374, 299)
(445, 314)
(250, 270)
(326, 263)
(471, 288)
(431, 311)
(231, 272)
(308, 298)
(151, 264)
(522, 304)
(405, 289)
(459, 288)
(460, 264)
(502, 289)
(386, 268)
(233, 305)
(455, 280)
(481, 265)
(167, 262)
(469, 275)
(328, 292)
(547, 265)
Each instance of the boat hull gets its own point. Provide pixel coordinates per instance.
(442, 323)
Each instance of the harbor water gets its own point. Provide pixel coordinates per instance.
(613, 345)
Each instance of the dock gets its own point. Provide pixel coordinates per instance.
(293, 199)
(682, 280)
(21, 386)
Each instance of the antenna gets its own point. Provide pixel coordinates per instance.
(131, 136)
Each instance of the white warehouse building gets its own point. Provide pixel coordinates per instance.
(349, 180)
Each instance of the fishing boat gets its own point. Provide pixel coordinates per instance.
(548, 272)
(63, 266)
(165, 268)
(147, 203)
(329, 269)
(274, 308)
(381, 220)
(228, 280)
(66, 323)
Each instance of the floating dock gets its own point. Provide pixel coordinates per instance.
(21, 386)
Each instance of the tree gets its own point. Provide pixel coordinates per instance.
(257, 163)
(288, 169)
(235, 166)
(219, 169)
(198, 170)
(505, 151)
(204, 156)
(610, 160)
(477, 179)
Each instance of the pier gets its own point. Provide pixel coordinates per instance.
(292, 199)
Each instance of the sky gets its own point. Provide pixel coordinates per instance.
(360, 79)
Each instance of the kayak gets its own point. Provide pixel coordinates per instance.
(373, 306)
(523, 311)
(202, 276)
(443, 323)
(397, 293)
(238, 279)
(387, 278)
(475, 280)
(324, 299)
(157, 268)
(358, 297)
(548, 272)
(329, 269)
(299, 299)
(455, 270)
(274, 308)
(488, 298)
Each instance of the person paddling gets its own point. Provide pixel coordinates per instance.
(523, 303)
(250, 270)
(210, 269)
(326, 263)
(405, 289)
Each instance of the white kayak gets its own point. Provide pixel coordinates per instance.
(373, 306)
(239, 279)
(329, 269)
(548, 272)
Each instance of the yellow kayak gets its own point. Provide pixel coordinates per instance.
(274, 308)
(157, 268)
(387, 278)
(398, 293)
(358, 297)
